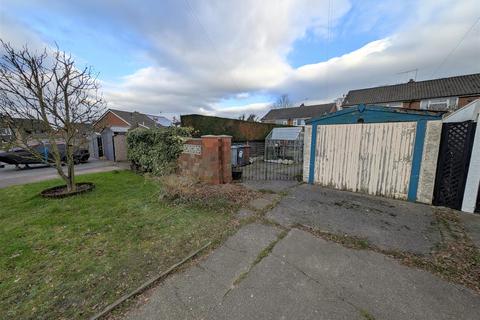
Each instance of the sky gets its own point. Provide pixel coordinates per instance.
(227, 58)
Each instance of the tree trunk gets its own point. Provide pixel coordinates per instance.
(71, 187)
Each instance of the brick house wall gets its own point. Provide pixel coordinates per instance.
(110, 120)
(463, 101)
(411, 104)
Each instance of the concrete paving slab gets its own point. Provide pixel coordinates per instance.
(239, 252)
(260, 203)
(194, 293)
(373, 282)
(276, 290)
(306, 277)
(244, 213)
(471, 222)
(387, 223)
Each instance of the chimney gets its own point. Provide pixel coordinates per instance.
(411, 80)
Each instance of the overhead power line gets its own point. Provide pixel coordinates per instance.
(455, 48)
(210, 40)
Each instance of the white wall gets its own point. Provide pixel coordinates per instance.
(428, 169)
(307, 142)
(473, 179)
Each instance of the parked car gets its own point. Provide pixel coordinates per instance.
(21, 156)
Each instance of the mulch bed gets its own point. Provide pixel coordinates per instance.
(61, 191)
(185, 190)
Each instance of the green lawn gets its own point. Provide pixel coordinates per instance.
(69, 258)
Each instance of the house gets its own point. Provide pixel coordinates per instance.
(297, 115)
(109, 141)
(30, 127)
(445, 94)
(18, 131)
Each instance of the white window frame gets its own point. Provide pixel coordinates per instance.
(433, 102)
(5, 132)
(299, 121)
(430, 104)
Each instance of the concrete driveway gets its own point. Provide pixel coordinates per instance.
(10, 176)
(257, 274)
(268, 271)
(387, 223)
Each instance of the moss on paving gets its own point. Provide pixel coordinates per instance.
(366, 315)
(261, 255)
(69, 258)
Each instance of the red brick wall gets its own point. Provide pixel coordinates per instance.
(411, 104)
(213, 164)
(463, 101)
(189, 164)
(109, 120)
(226, 157)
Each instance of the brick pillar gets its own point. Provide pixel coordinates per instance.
(211, 159)
(226, 158)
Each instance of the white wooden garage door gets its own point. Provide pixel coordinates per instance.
(371, 158)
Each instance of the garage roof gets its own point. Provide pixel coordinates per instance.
(376, 114)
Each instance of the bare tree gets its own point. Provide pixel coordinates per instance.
(46, 87)
(252, 117)
(282, 102)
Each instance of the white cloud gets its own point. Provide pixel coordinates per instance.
(201, 53)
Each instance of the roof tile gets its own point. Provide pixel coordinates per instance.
(416, 90)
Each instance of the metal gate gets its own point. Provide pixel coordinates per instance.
(277, 160)
(453, 160)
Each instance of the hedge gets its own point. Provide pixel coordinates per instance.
(239, 130)
(156, 150)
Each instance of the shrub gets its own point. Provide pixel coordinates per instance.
(156, 150)
(187, 190)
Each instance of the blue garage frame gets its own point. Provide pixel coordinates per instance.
(379, 114)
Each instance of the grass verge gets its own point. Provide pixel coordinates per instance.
(69, 258)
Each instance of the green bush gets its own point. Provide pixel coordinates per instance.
(156, 150)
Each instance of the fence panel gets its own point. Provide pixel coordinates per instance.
(452, 169)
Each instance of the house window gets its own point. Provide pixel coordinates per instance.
(389, 104)
(299, 122)
(440, 104)
(285, 122)
(5, 132)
